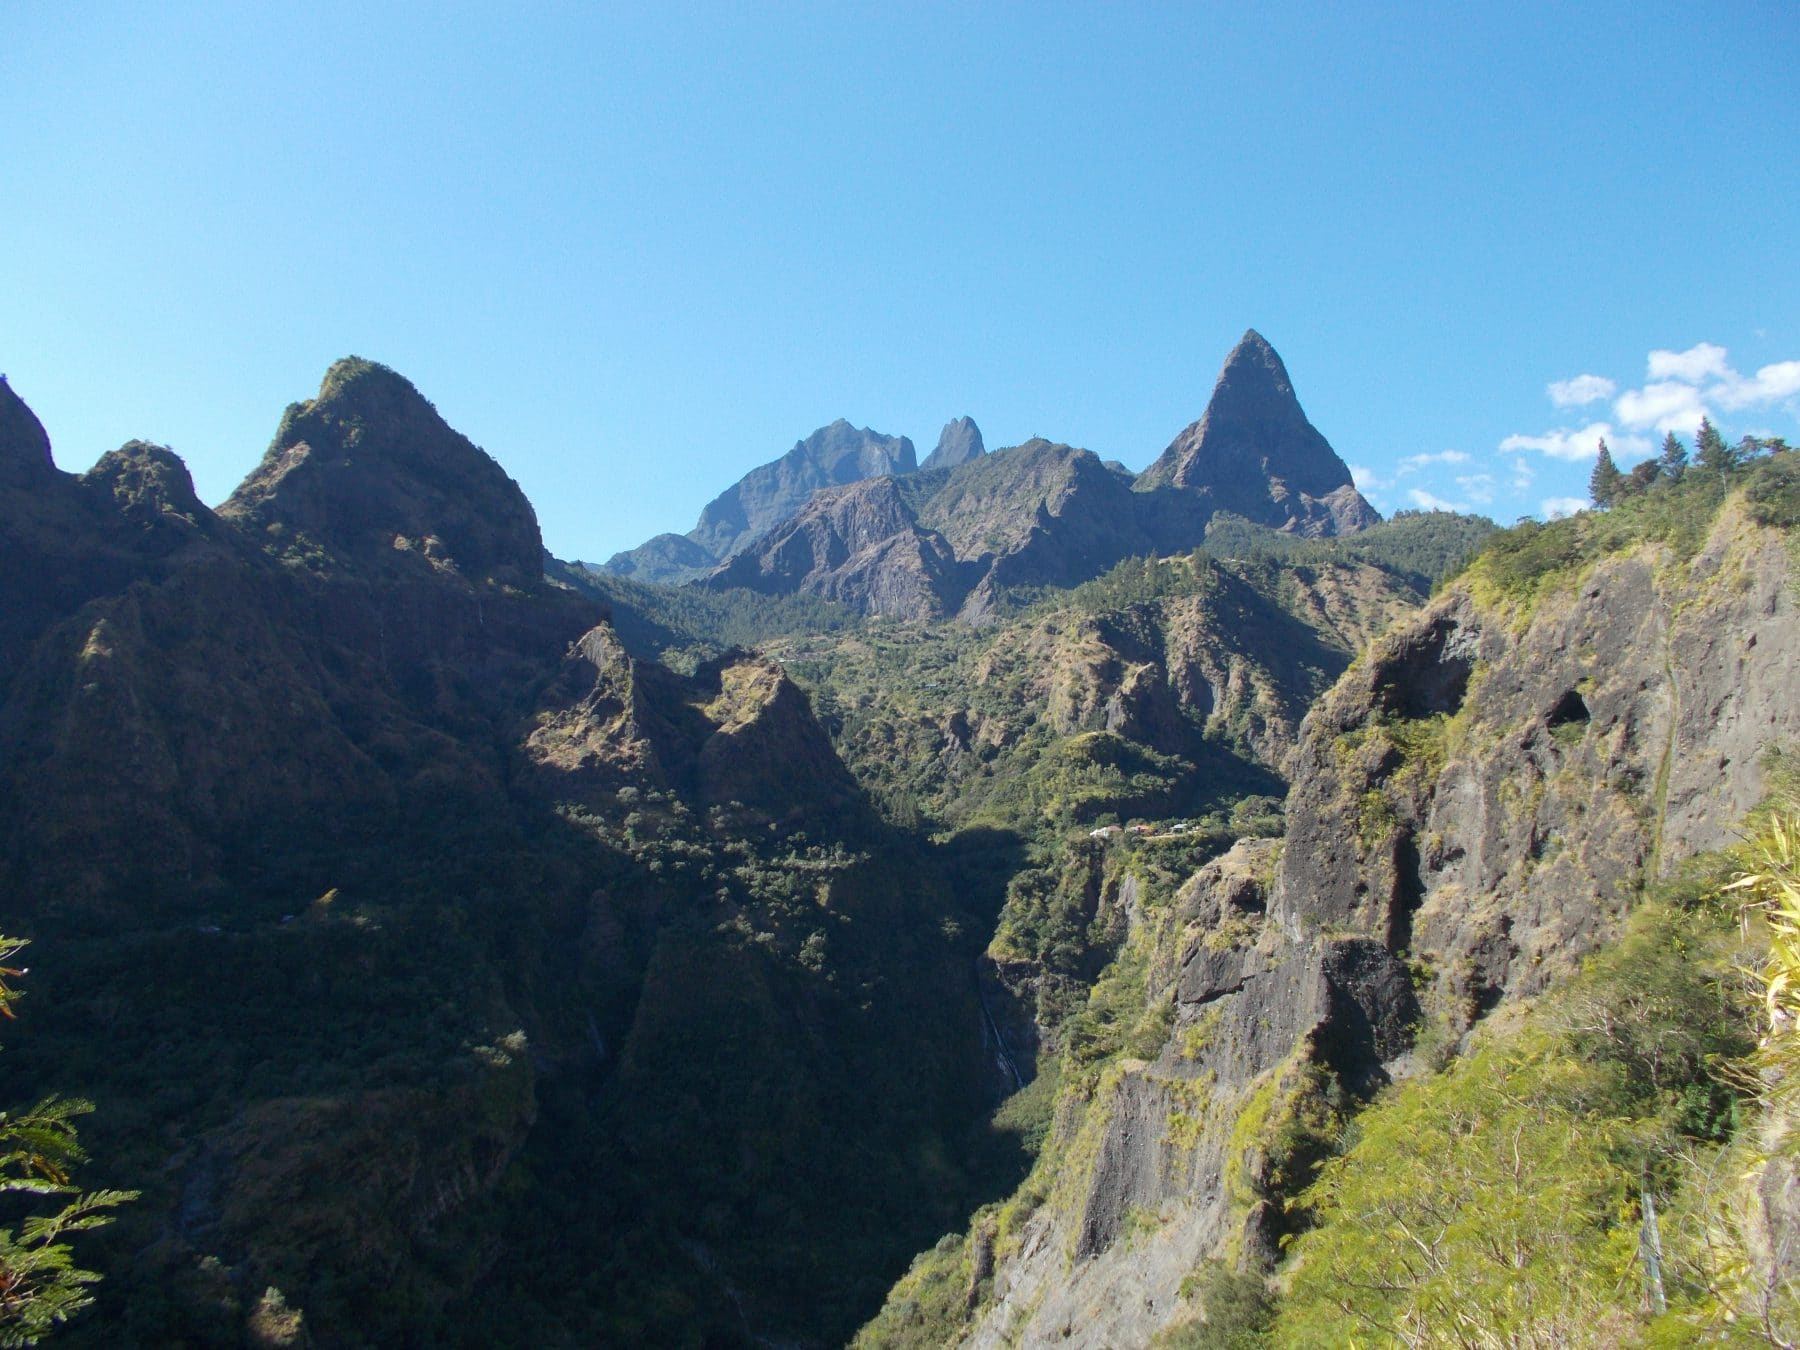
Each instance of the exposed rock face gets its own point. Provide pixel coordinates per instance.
(1254, 453)
(368, 470)
(958, 443)
(764, 498)
(1036, 514)
(738, 731)
(768, 495)
(861, 545)
(1476, 798)
(1048, 514)
(1620, 731)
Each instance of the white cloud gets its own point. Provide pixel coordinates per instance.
(1365, 477)
(1581, 390)
(1412, 463)
(1667, 405)
(1563, 443)
(1698, 362)
(1771, 384)
(1555, 508)
(1477, 487)
(1427, 501)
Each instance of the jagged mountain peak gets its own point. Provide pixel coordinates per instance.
(958, 443)
(1254, 452)
(148, 483)
(24, 444)
(369, 470)
(835, 454)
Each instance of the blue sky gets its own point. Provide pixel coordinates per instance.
(634, 250)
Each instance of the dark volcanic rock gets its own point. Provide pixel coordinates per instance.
(959, 442)
(768, 495)
(368, 471)
(1254, 453)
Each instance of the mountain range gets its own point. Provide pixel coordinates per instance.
(845, 516)
(997, 901)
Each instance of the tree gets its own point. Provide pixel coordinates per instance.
(1710, 451)
(1673, 460)
(1643, 475)
(40, 1285)
(1603, 483)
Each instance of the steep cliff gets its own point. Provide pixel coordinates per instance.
(1475, 807)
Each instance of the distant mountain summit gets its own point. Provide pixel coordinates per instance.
(1253, 452)
(843, 516)
(765, 497)
(959, 443)
(368, 471)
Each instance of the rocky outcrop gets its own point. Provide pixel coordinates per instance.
(860, 545)
(369, 474)
(1036, 514)
(737, 731)
(764, 498)
(1474, 805)
(1253, 452)
(958, 443)
(1493, 791)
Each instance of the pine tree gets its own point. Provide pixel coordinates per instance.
(1603, 483)
(1673, 460)
(1710, 451)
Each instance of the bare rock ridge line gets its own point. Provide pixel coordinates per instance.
(1048, 514)
(1252, 452)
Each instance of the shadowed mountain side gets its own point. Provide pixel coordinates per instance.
(368, 471)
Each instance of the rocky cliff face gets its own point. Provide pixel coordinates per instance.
(1254, 453)
(736, 732)
(1473, 808)
(765, 497)
(1036, 514)
(958, 443)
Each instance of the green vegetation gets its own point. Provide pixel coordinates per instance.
(1519, 565)
(1502, 1201)
(685, 625)
(40, 1284)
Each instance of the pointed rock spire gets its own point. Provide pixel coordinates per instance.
(1255, 453)
(958, 443)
